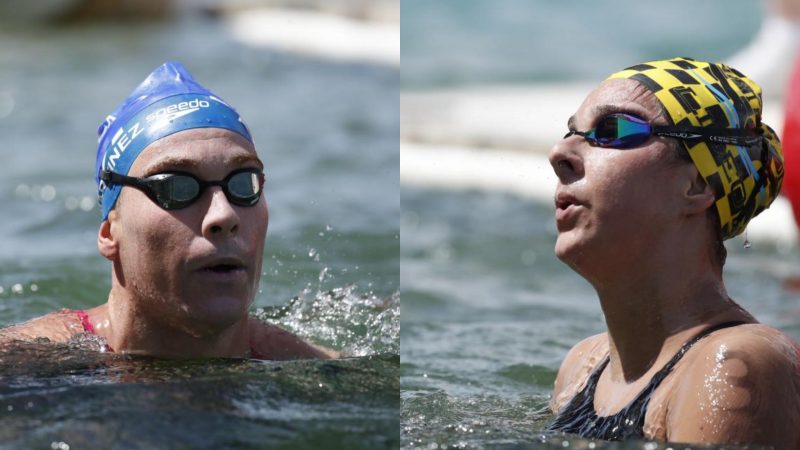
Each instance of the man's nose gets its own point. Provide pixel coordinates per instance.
(221, 219)
(566, 160)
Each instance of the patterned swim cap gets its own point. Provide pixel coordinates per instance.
(169, 100)
(745, 179)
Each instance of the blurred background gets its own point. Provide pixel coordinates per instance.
(486, 90)
(317, 83)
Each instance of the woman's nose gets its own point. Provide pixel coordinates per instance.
(566, 160)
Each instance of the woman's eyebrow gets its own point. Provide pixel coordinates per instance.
(606, 109)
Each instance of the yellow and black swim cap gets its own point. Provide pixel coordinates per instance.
(745, 179)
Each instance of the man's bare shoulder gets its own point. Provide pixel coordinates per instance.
(269, 341)
(582, 358)
(741, 385)
(58, 326)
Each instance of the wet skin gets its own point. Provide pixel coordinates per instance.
(633, 222)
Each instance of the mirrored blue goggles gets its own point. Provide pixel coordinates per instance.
(176, 190)
(623, 131)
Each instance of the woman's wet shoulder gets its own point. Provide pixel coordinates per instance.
(579, 363)
(754, 343)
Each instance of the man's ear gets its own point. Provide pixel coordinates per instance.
(698, 195)
(106, 240)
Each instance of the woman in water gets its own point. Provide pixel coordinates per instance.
(662, 162)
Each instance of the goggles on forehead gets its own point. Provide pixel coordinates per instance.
(623, 131)
(176, 190)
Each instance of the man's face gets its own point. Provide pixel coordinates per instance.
(195, 268)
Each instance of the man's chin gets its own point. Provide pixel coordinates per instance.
(217, 313)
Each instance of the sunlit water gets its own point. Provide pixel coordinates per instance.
(489, 313)
(327, 134)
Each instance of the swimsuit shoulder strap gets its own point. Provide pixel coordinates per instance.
(84, 318)
(579, 416)
(685, 348)
(644, 397)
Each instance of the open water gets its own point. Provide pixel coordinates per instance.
(489, 311)
(327, 133)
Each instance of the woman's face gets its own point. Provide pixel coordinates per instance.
(611, 204)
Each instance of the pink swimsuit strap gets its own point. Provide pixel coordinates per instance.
(87, 325)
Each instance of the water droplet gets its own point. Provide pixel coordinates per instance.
(16, 289)
(22, 190)
(87, 203)
(312, 252)
(48, 193)
(34, 287)
(71, 203)
(328, 227)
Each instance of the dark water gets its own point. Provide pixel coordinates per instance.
(327, 134)
(92, 400)
(489, 313)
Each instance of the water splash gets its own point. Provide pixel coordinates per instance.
(358, 324)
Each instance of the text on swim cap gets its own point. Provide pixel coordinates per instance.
(176, 110)
(120, 142)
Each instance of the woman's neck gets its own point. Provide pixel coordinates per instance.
(653, 311)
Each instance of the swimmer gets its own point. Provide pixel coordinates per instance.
(663, 162)
(183, 224)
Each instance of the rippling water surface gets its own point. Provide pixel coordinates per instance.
(489, 313)
(327, 134)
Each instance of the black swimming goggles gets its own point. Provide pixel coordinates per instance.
(176, 190)
(624, 131)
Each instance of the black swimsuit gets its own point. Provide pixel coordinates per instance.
(579, 416)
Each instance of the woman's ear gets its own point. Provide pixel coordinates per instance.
(698, 195)
(106, 241)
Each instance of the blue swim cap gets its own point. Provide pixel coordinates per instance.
(169, 100)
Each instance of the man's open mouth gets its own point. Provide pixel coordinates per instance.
(223, 268)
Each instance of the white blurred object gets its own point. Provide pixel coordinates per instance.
(769, 58)
(462, 168)
(318, 34)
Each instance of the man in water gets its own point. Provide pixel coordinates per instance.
(183, 224)
(662, 162)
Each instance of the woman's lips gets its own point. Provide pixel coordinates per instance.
(567, 209)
